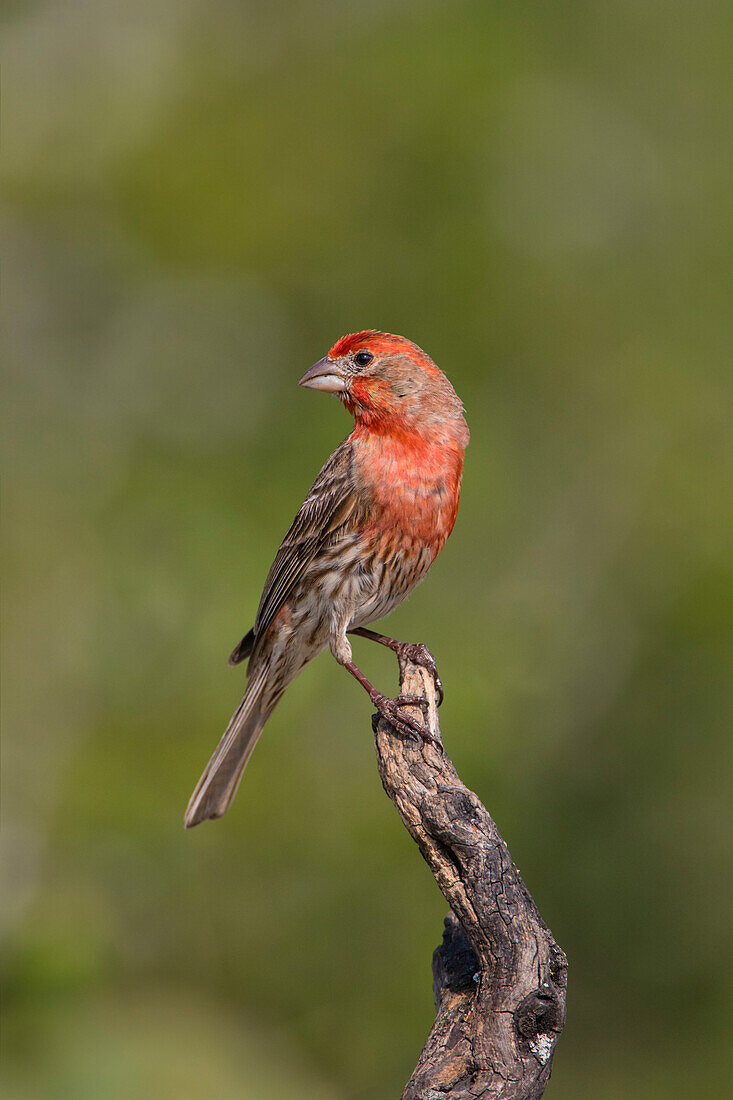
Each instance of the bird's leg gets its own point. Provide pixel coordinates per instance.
(391, 708)
(417, 652)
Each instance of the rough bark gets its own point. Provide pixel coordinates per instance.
(498, 977)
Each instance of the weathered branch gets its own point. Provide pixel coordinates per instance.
(498, 977)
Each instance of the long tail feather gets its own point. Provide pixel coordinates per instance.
(218, 785)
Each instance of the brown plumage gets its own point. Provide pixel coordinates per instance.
(373, 522)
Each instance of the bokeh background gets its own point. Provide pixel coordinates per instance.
(201, 196)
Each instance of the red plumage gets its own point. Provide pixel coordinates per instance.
(374, 340)
(352, 340)
(373, 522)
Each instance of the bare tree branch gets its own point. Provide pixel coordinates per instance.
(499, 977)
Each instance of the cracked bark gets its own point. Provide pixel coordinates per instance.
(498, 977)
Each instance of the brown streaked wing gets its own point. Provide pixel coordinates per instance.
(327, 513)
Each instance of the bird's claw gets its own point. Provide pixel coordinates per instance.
(390, 709)
(419, 654)
(410, 701)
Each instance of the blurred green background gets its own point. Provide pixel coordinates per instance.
(201, 196)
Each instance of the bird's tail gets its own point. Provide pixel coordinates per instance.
(218, 785)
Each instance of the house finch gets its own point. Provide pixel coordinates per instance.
(373, 522)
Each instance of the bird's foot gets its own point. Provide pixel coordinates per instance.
(419, 654)
(391, 710)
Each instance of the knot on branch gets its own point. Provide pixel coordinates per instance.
(455, 966)
(538, 1014)
(454, 816)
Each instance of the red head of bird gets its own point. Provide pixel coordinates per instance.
(390, 384)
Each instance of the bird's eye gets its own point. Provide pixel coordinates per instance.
(363, 357)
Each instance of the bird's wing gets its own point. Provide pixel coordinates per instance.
(243, 649)
(327, 514)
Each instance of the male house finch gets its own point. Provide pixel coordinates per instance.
(376, 517)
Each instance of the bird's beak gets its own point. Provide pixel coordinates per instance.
(325, 375)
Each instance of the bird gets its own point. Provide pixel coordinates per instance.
(373, 522)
